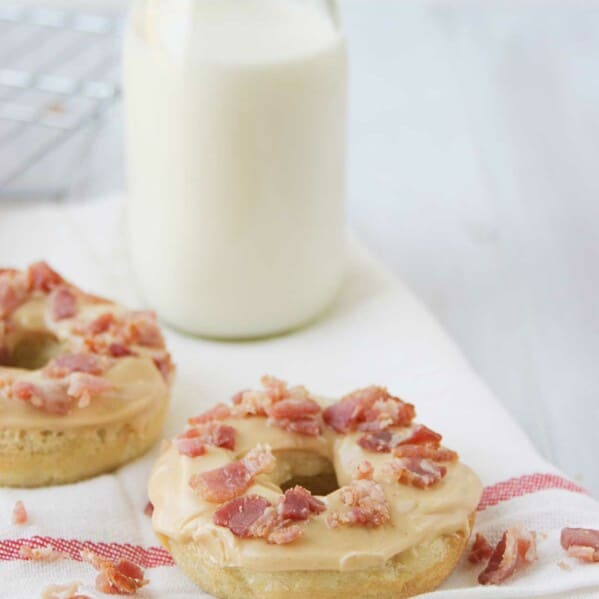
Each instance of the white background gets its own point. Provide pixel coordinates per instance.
(474, 175)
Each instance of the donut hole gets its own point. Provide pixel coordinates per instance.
(32, 350)
(310, 470)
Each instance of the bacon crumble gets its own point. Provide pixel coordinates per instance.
(383, 441)
(63, 303)
(421, 473)
(367, 505)
(369, 409)
(193, 441)
(253, 516)
(289, 408)
(230, 481)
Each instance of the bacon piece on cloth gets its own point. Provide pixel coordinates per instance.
(41, 554)
(41, 277)
(63, 591)
(299, 504)
(63, 303)
(581, 543)
(19, 513)
(385, 440)
(516, 548)
(149, 509)
(416, 472)
(69, 363)
(13, 291)
(49, 397)
(367, 505)
(372, 408)
(480, 551)
(120, 577)
(218, 412)
(193, 441)
(230, 481)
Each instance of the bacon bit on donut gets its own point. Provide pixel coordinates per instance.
(83, 387)
(251, 403)
(218, 412)
(69, 363)
(296, 415)
(581, 543)
(13, 291)
(149, 509)
(441, 454)
(367, 503)
(291, 409)
(164, 364)
(118, 350)
(481, 550)
(516, 548)
(63, 591)
(141, 328)
(299, 504)
(41, 277)
(230, 481)
(417, 472)
(383, 441)
(41, 554)
(193, 441)
(275, 388)
(192, 447)
(240, 514)
(19, 513)
(369, 409)
(253, 516)
(50, 397)
(101, 324)
(63, 303)
(121, 577)
(365, 470)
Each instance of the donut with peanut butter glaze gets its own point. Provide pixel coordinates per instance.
(84, 383)
(282, 495)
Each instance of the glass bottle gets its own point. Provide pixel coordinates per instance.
(236, 142)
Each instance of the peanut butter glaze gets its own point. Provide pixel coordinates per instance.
(417, 515)
(137, 387)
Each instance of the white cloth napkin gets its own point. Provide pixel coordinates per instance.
(377, 332)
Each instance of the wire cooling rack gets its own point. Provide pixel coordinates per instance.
(59, 74)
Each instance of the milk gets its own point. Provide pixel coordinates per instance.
(236, 118)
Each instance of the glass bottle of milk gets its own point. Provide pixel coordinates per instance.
(236, 127)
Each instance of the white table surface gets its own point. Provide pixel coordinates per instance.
(474, 175)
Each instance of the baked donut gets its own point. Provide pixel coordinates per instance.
(84, 383)
(275, 497)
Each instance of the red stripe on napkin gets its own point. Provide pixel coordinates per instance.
(151, 557)
(524, 485)
(154, 557)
